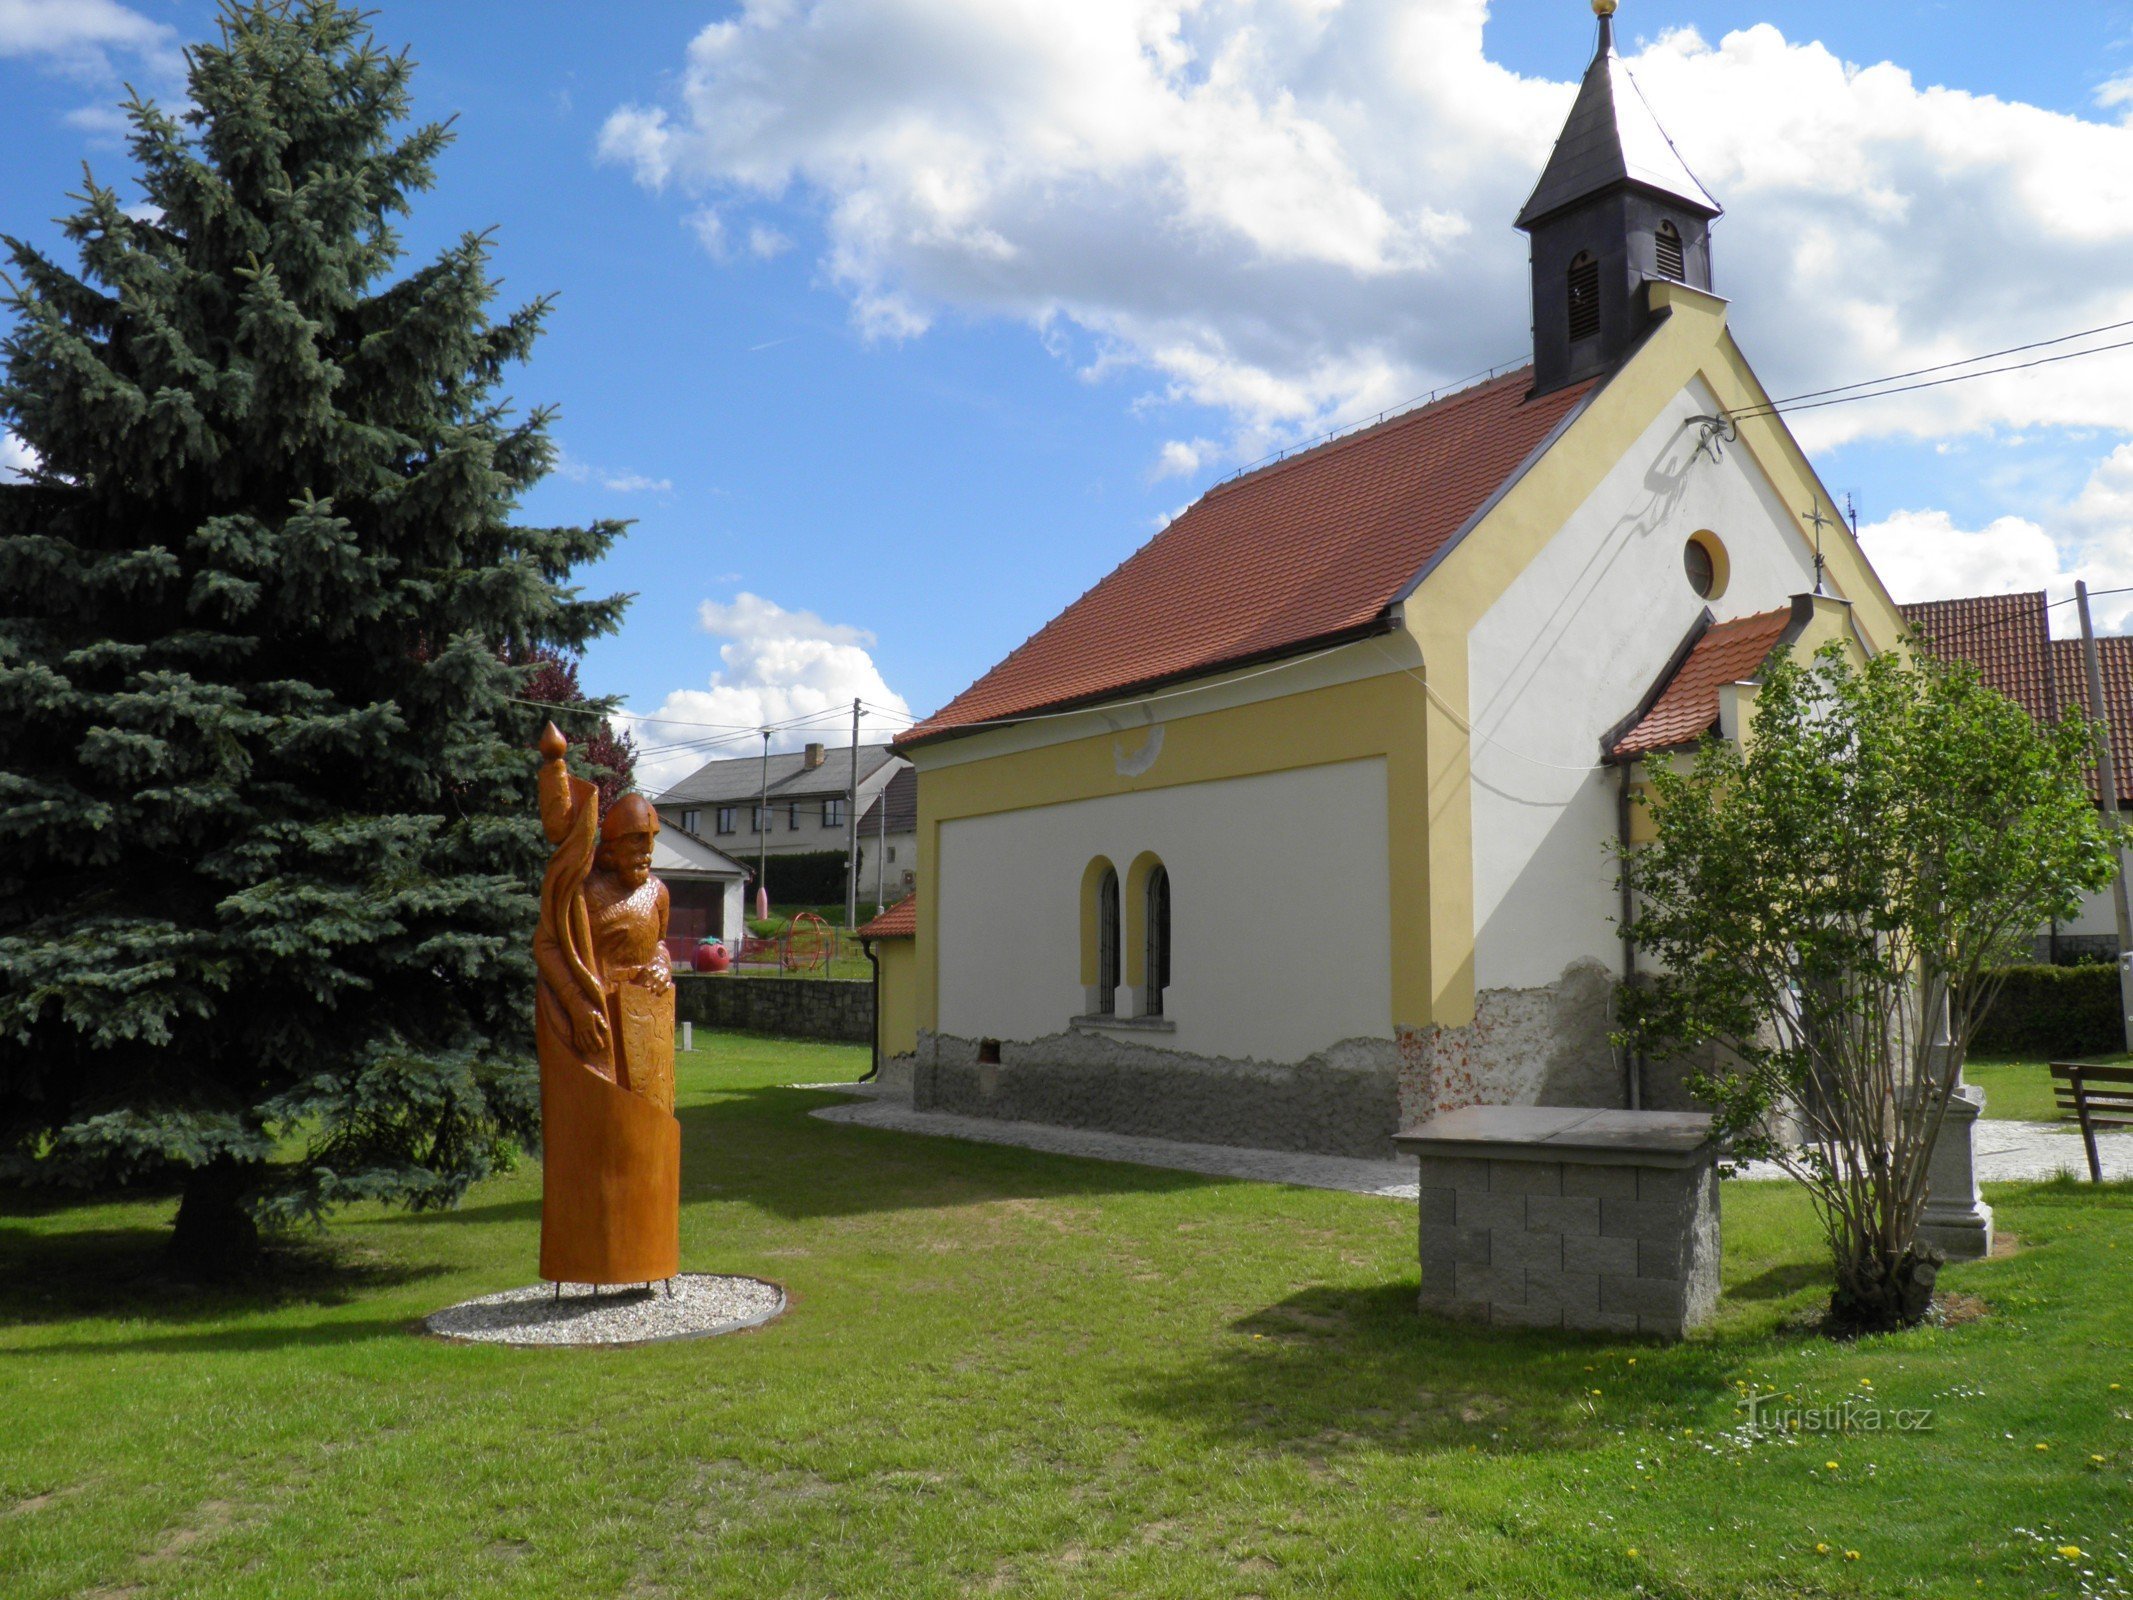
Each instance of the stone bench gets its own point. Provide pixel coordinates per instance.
(1556, 1217)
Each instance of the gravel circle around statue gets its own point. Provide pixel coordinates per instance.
(700, 1305)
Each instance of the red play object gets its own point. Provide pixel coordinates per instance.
(712, 957)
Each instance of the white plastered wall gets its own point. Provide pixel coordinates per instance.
(1568, 651)
(1280, 911)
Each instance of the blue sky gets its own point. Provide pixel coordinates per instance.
(895, 324)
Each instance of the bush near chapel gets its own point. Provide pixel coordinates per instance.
(1829, 904)
(271, 850)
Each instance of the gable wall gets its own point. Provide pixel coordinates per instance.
(1568, 650)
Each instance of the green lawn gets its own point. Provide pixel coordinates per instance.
(1012, 1373)
(2019, 1087)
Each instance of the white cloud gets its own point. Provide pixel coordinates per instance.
(775, 665)
(1180, 458)
(766, 243)
(1295, 211)
(17, 459)
(636, 483)
(614, 480)
(98, 44)
(1924, 555)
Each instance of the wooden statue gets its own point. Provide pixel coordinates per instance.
(604, 1023)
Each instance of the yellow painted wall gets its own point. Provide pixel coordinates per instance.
(897, 996)
(1375, 717)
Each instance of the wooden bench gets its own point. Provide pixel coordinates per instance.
(2097, 1097)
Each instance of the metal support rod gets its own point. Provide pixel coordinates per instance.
(762, 824)
(851, 824)
(2107, 784)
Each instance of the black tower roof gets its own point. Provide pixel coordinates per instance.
(1612, 138)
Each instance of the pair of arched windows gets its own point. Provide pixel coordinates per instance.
(1126, 936)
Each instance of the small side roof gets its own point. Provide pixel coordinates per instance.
(900, 921)
(1684, 704)
(678, 854)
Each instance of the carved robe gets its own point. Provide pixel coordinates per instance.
(611, 1149)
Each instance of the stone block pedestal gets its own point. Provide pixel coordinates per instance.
(1957, 1221)
(1555, 1217)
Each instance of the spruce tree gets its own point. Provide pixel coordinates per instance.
(268, 853)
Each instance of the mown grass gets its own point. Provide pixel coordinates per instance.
(1006, 1372)
(2020, 1087)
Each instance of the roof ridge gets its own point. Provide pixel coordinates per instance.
(1326, 443)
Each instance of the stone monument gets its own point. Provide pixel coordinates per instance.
(604, 1029)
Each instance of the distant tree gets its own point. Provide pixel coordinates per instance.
(268, 850)
(1831, 904)
(611, 754)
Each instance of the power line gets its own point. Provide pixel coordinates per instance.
(1786, 407)
(1949, 366)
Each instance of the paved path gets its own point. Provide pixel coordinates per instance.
(2008, 1152)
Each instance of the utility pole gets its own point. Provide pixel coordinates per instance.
(2107, 782)
(851, 826)
(762, 833)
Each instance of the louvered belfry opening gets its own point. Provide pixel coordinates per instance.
(1584, 296)
(1667, 247)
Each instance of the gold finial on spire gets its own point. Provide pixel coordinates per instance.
(1603, 8)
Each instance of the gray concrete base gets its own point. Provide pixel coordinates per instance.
(1957, 1221)
(1343, 1101)
(1534, 1217)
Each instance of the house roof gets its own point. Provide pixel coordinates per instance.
(2114, 657)
(2007, 637)
(1611, 137)
(1312, 549)
(899, 797)
(1685, 706)
(900, 921)
(740, 778)
(677, 853)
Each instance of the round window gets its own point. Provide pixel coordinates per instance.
(1703, 559)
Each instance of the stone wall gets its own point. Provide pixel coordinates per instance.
(795, 1008)
(1342, 1101)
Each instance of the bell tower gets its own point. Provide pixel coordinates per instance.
(1614, 208)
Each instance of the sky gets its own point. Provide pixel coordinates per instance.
(893, 325)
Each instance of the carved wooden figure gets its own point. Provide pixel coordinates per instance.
(604, 1023)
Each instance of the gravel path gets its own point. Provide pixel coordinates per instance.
(700, 1305)
(2007, 1152)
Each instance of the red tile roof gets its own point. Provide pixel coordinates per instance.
(1687, 704)
(1311, 549)
(900, 921)
(2007, 637)
(2115, 659)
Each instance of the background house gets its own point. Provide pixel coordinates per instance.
(888, 842)
(807, 814)
(2007, 637)
(704, 886)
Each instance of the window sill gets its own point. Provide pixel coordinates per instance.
(1125, 1024)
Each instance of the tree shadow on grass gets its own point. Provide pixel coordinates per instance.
(762, 1147)
(1335, 1368)
(74, 1274)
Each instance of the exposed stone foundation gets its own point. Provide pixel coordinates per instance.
(1342, 1101)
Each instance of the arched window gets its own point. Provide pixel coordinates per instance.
(1584, 296)
(1667, 247)
(1157, 959)
(1108, 943)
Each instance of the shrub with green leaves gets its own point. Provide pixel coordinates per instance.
(1829, 910)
